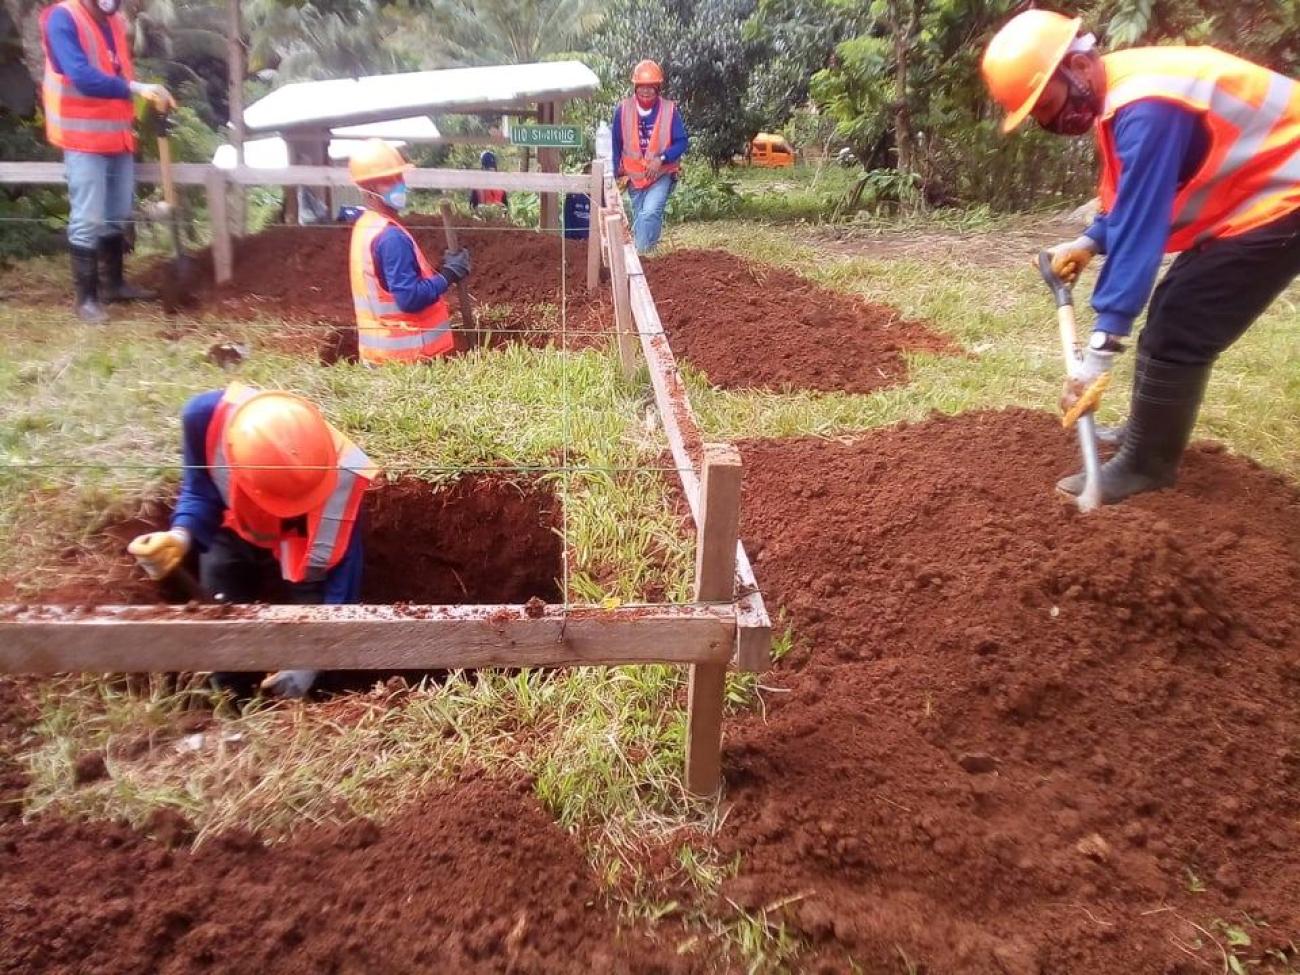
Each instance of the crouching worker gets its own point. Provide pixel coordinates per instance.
(401, 305)
(266, 479)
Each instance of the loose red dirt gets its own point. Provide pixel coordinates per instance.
(477, 539)
(1014, 738)
(751, 325)
(474, 877)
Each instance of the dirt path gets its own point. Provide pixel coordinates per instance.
(1022, 740)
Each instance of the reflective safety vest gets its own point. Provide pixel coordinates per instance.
(385, 333)
(634, 158)
(1251, 173)
(303, 558)
(489, 198)
(73, 119)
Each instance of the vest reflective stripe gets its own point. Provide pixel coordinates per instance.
(385, 333)
(1251, 173)
(329, 527)
(73, 119)
(661, 137)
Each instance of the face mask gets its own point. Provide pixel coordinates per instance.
(108, 7)
(395, 196)
(647, 102)
(1079, 111)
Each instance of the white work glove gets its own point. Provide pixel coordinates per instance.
(156, 95)
(1083, 389)
(291, 684)
(159, 553)
(1070, 258)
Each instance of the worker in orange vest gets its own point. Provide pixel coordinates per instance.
(89, 81)
(649, 139)
(400, 303)
(1200, 156)
(266, 479)
(487, 198)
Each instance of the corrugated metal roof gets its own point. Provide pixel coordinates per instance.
(354, 101)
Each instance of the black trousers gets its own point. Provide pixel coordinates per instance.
(1214, 292)
(243, 573)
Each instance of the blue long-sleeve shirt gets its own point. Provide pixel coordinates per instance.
(398, 270)
(69, 59)
(1160, 145)
(677, 146)
(200, 509)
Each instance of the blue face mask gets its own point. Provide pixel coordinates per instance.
(395, 196)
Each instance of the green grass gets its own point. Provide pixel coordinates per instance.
(603, 748)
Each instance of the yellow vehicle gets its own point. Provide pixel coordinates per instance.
(770, 151)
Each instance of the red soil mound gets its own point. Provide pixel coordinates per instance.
(15, 716)
(750, 325)
(473, 878)
(1016, 739)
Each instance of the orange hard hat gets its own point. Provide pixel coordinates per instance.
(1022, 57)
(281, 453)
(647, 73)
(374, 159)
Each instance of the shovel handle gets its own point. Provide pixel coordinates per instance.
(1060, 288)
(1064, 311)
(466, 303)
(163, 124)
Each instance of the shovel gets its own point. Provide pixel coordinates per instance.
(181, 276)
(469, 336)
(1081, 415)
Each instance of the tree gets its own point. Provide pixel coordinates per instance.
(476, 32)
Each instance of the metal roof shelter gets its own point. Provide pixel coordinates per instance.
(307, 114)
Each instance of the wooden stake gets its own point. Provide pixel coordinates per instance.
(715, 579)
(594, 227)
(623, 324)
(223, 257)
(469, 335)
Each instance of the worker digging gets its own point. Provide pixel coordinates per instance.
(1200, 156)
(266, 478)
(87, 96)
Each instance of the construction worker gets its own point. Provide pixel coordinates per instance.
(402, 314)
(89, 81)
(266, 478)
(649, 140)
(1200, 155)
(487, 198)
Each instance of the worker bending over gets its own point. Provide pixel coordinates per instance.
(86, 96)
(1200, 155)
(649, 140)
(487, 198)
(266, 479)
(400, 302)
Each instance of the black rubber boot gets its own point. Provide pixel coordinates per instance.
(85, 277)
(112, 252)
(1166, 399)
(1112, 436)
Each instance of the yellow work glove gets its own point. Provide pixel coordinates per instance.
(1069, 259)
(156, 95)
(159, 553)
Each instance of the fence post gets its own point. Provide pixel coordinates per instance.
(222, 247)
(715, 580)
(595, 227)
(624, 327)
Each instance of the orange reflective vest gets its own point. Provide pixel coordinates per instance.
(489, 198)
(634, 158)
(1251, 173)
(385, 333)
(303, 557)
(74, 120)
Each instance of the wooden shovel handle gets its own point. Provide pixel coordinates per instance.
(472, 337)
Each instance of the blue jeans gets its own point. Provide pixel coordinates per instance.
(101, 194)
(648, 211)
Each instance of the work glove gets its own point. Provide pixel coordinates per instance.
(289, 684)
(156, 95)
(1069, 259)
(1090, 377)
(455, 265)
(653, 165)
(159, 553)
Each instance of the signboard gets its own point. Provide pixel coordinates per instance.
(545, 136)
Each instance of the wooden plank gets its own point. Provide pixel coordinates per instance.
(548, 160)
(140, 639)
(754, 646)
(41, 173)
(595, 226)
(618, 282)
(715, 581)
(223, 257)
